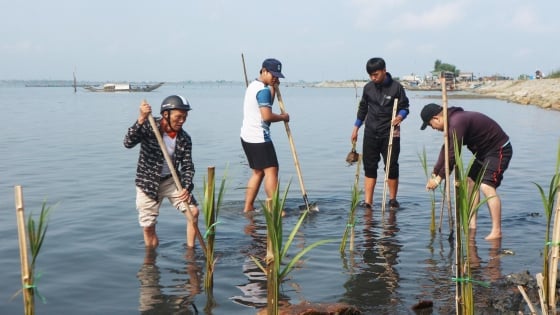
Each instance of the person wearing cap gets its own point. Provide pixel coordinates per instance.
(154, 180)
(491, 148)
(375, 111)
(255, 131)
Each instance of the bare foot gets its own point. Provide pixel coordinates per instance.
(493, 236)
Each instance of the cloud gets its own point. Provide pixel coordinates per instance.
(373, 13)
(403, 15)
(433, 18)
(526, 18)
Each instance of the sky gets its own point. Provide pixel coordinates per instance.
(316, 40)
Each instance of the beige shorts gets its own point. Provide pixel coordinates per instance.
(148, 209)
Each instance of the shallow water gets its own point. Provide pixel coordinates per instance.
(67, 149)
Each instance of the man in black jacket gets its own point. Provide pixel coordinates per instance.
(376, 111)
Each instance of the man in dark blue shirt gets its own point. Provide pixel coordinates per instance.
(490, 146)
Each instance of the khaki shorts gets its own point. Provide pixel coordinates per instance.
(148, 208)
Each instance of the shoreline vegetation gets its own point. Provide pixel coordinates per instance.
(544, 93)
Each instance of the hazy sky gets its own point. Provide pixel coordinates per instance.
(176, 40)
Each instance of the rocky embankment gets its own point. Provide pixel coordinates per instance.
(544, 93)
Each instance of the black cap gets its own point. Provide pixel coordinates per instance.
(274, 67)
(428, 112)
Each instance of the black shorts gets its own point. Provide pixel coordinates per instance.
(496, 164)
(374, 148)
(260, 155)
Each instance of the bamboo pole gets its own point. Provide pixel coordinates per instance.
(271, 272)
(540, 283)
(309, 206)
(447, 197)
(554, 258)
(527, 300)
(356, 184)
(209, 196)
(26, 281)
(244, 70)
(388, 160)
(446, 148)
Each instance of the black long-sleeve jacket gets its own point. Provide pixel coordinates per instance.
(376, 106)
(151, 159)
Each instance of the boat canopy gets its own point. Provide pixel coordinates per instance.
(116, 87)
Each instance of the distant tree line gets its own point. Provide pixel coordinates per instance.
(441, 66)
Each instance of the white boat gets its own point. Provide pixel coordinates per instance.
(123, 87)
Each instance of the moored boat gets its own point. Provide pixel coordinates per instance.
(123, 87)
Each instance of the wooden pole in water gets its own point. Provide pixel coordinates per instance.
(458, 265)
(388, 161)
(553, 262)
(446, 148)
(211, 218)
(271, 272)
(244, 70)
(27, 290)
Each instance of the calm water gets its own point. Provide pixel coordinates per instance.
(67, 149)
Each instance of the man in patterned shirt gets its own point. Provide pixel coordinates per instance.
(154, 181)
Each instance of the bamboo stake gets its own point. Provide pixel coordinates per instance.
(175, 178)
(26, 281)
(209, 194)
(540, 283)
(271, 272)
(356, 183)
(309, 206)
(388, 160)
(554, 258)
(244, 70)
(458, 267)
(527, 300)
(446, 148)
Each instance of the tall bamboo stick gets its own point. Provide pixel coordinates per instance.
(389, 151)
(211, 219)
(271, 272)
(26, 280)
(554, 258)
(446, 148)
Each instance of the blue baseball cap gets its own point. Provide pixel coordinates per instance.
(273, 66)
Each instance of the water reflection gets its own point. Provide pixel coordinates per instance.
(493, 270)
(255, 290)
(440, 270)
(176, 298)
(374, 285)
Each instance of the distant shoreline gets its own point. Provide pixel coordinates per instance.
(544, 93)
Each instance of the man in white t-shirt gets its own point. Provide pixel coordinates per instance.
(255, 131)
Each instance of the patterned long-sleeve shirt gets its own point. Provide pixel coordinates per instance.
(151, 159)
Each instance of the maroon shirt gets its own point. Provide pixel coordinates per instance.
(480, 133)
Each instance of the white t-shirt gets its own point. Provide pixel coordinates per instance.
(254, 129)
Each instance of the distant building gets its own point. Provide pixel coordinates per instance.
(465, 76)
